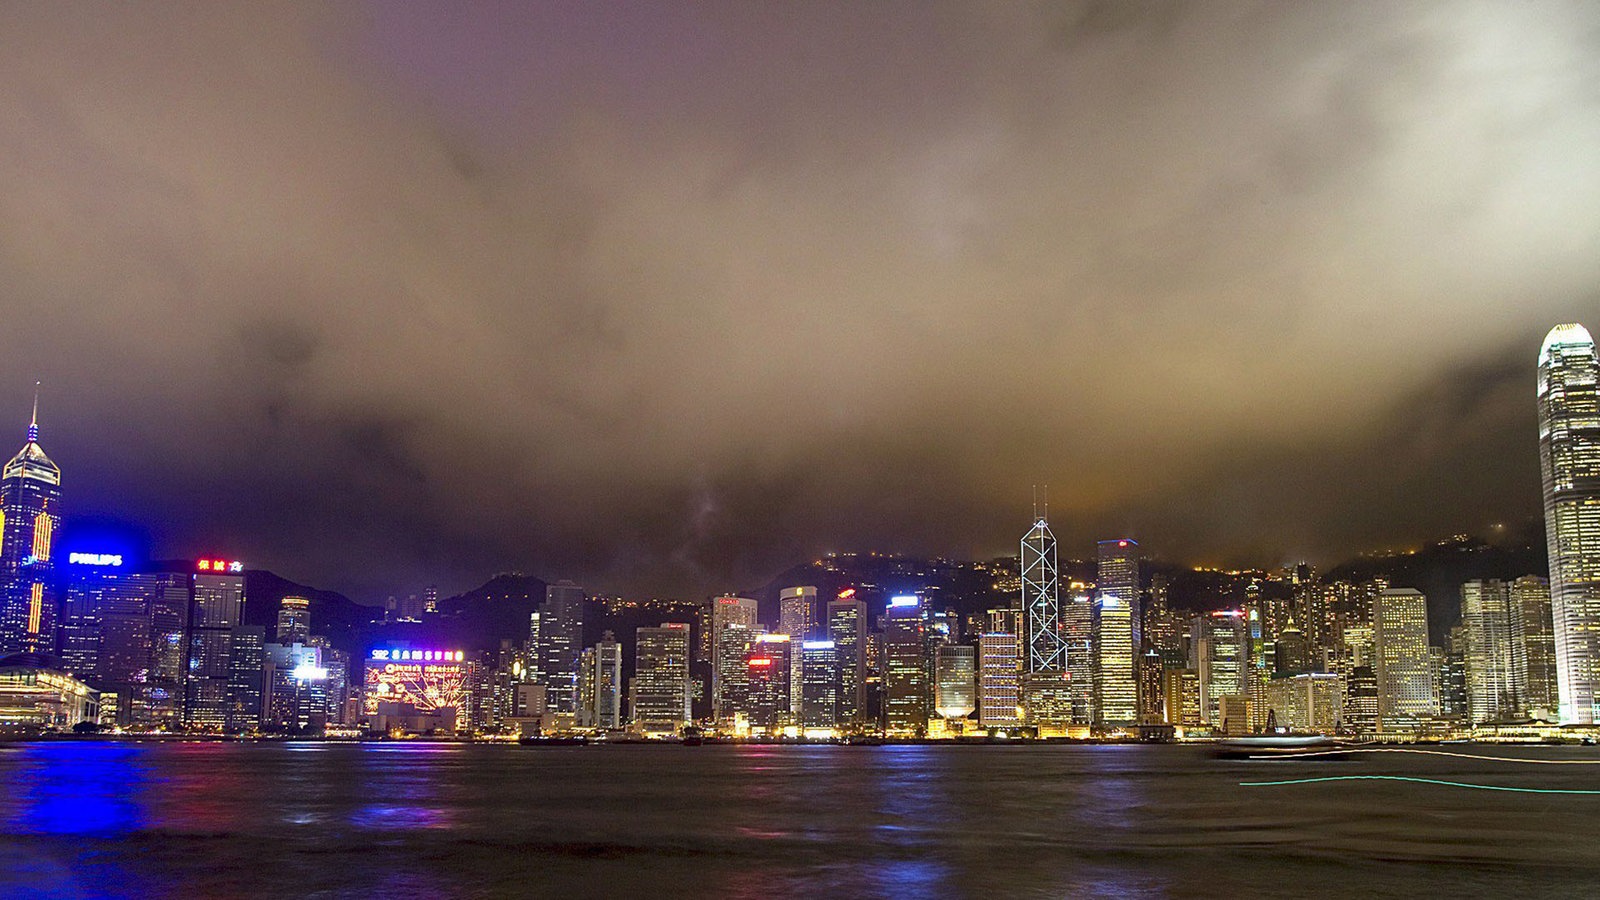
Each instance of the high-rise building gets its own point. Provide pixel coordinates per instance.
(1307, 701)
(1118, 641)
(819, 686)
(847, 628)
(733, 628)
(769, 687)
(1532, 631)
(1219, 655)
(1569, 457)
(30, 516)
(660, 687)
(999, 684)
(294, 621)
(246, 674)
(955, 684)
(607, 681)
(1077, 628)
(124, 633)
(1041, 600)
(905, 669)
(1492, 660)
(561, 644)
(1403, 669)
(216, 610)
(797, 612)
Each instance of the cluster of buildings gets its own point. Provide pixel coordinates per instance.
(169, 650)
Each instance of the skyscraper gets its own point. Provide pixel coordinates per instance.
(1116, 671)
(1492, 660)
(216, 611)
(1569, 458)
(999, 687)
(905, 673)
(733, 628)
(294, 621)
(847, 628)
(1403, 668)
(1041, 603)
(1531, 625)
(1219, 654)
(797, 617)
(660, 688)
(561, 644)
(819, 686)
(607, 681)
(30, 516)
(955, 681)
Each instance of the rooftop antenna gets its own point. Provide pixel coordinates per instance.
(1047, 501)
(33, 426)
(1036, 503)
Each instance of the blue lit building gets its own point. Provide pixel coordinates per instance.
(30, 517)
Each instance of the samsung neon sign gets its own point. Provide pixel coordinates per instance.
(94, 559)
(387, 654)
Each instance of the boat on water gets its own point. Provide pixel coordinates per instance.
(538, 740)
(1280, 746)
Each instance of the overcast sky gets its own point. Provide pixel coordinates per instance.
(665, 298)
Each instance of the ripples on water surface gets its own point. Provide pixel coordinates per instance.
(96, 819)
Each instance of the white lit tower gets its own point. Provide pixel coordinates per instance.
(1041, 601)
(1569, 458)
(30, 515)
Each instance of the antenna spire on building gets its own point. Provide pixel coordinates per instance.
(33, 425)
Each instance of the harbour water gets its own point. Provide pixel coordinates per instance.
(119, 819)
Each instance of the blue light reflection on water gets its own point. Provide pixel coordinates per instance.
(911, 797)
(89, 788)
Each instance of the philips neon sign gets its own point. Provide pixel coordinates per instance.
(94, 559)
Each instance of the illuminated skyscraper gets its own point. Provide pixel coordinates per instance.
(1569, 456)
(1403, 669)
(797, 617)
(216, 611)
(1530, 607)
(1219, 653)
(819, 685)
(660, 687)
(30, 516)
(999, 685)
(1116, 672)
(561, 644)
(1077, 629)
(1041, 603)
(728, 650)
(955, 681)
(1493, 662)
(607, 681)
(905, 675)
(1118, 576)
(294, 621)
(847, 628)
(769, 690)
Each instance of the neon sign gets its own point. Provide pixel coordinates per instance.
(903, 600)
(847, 593)
(223, 566)
(94, 559)
(391, 654)
(816, 645)
(760, 662)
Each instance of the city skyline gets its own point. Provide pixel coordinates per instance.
(387, 297)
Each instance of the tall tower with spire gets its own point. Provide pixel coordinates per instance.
(1569, 457)
(30, 517)
(1041, 599)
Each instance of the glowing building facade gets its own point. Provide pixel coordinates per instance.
(30, 517)
(660, 687)
(1041, 599)
(1403, 669)
(847, 628)
(1569, 457)
(999, 684)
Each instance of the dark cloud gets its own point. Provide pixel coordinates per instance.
(665, 297)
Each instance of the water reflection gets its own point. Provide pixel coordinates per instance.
(79, 789)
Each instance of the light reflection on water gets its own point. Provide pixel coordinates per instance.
(101, 818)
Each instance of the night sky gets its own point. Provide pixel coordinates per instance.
(665, 298)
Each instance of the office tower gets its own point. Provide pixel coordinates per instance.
(769, 687)
(660, 687)
(797, 618)
(731, 675)
(1219, 655)
(847, 628)
(561, 644)
(1453, 675)
(797, 612)
(336, 664)
(1569, 457)
(1181, 704)
(294, 686)
(1049, 703)
(246, 670)
(819, 686)
(607, 680)
(532, 661)
(1163, 628)
(1493, 664)
(1531, 624)
(955, 682)
(124, 632)
(216, 610)
(1307, 702)
(728, 650)
(1400, 650)
(294, 621)
(30, 516)
(999, 685)
(1361, 700)
(1291, 652)
(1116, 670)
(1151, 698)
(1078, 648)
(1041, 603)
(430, 599)
(905, 670)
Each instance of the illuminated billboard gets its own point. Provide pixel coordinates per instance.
(428, 680)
